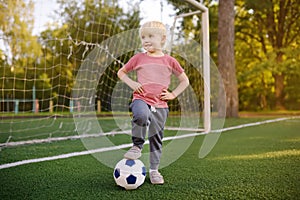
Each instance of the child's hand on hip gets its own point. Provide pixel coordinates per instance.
(166, 95)
(137, 87)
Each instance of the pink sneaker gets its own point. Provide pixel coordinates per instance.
(133, 153)
(156, 178)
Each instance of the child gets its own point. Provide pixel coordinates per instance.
(149, 106)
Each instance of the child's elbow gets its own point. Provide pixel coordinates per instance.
(120, 73)
(187, 82)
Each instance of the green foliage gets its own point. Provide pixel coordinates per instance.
(21, 48)
(267, 48)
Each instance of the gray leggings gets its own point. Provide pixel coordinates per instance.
(154, 121)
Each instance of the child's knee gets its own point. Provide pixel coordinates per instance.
(141, 119)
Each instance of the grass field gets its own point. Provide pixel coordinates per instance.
(259, 162)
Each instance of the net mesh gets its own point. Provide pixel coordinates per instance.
(72, 79)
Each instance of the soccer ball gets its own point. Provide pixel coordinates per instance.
(130, 174)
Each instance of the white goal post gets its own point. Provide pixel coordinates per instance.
(206, 62)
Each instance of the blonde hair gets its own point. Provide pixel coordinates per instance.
(153, 26)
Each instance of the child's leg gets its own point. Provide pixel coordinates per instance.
(141, 119)
(156, 128)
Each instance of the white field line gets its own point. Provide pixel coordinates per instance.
(81, 153)
(74, 137)
(55, 139)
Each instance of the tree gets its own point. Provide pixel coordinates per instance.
(226, 58)
(268, 40)
(16, 31)
(21, 48)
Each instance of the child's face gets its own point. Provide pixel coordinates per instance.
(152, 41)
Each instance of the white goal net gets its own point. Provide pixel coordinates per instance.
(65, 86)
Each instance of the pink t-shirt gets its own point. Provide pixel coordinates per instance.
(154, 73)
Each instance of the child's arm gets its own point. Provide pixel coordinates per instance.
(183, 84)
(136, 86)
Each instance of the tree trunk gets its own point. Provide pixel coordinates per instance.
(279, 95)
(226, 59)
(279, 85)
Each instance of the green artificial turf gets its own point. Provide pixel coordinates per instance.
(260, 162)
